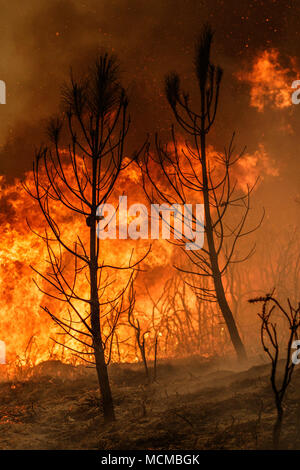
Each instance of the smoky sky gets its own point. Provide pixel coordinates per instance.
(41, 40)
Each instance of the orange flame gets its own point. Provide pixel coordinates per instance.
(270, 83)
(24, 327)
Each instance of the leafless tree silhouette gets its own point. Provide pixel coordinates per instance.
(189, 175)
(78, 179)
(271, 345)
(140, 336)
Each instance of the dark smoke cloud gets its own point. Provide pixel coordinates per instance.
(41, 39)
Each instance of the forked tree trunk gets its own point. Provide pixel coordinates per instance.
(145, 365)
(144, 358)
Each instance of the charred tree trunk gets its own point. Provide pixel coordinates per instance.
(101, 366)
(270, 342)
(216, 274)
(277, 426)
(143, 353)
(155, 359)
(185, 179)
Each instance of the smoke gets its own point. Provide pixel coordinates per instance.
(41, 40)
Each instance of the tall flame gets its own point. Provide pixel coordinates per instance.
(26, 329)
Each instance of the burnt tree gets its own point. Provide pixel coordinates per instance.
(272, 347)
(188, 174)
(78, 171)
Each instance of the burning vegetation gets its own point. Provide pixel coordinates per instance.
(73, 301)
(270, 82)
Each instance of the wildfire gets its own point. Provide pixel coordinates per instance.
(270, 82)
(26, 329)
(250, 167)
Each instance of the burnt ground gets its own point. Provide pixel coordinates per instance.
(194, 404)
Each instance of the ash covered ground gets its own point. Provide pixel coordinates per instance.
(193, 404)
